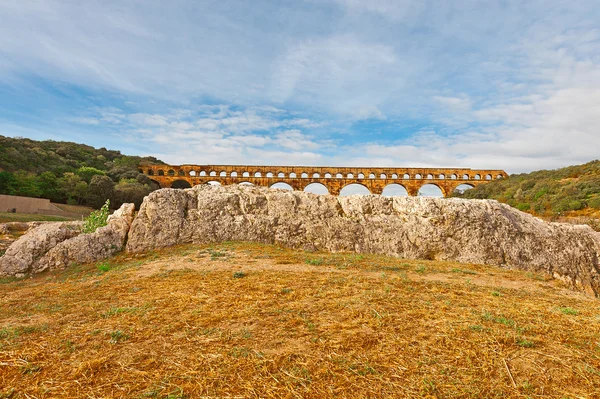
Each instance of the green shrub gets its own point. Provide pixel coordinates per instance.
(96, 219)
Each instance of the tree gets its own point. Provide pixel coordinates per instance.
(68, 186)
(99, 190)
(129, 190)
(87, 172)
(26, 184)
(48, 184)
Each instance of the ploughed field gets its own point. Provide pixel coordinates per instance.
(252, 320)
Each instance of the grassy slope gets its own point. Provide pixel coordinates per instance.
(260, 321)
(574, 190)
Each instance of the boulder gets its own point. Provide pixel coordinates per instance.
(470, 231)
(85, 248)
(26, 251)
(56, 245)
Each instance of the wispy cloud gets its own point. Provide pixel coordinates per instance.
(514, 85)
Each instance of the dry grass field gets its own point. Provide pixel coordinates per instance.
(238, 320)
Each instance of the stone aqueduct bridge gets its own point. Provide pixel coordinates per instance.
(333, 178)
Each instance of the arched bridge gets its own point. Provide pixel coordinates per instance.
(333, 178)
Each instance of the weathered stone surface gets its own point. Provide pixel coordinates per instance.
(28, 249)
(56, 245)
(472, 231)
(85, 248)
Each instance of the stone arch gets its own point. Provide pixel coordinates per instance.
(453, 176)
(499, 177)
(350, 176)
(257, 174)
(477, 177)
(488, 177)
(418, 176)
(339, 176)
(465, 177)
(328, 175)
(246, 183)
(214, 183)
(394, 176)
(406, 176)
(431, 190)
(292, 175)
(155, 182)
(270, 175)
(383, 176)
(181, 172)
(361, 176)
(213, 173)
(316, 188)
(246, 174)
(150, 172)
(304, 175)
(395, 190)
(233, 174)
(171, 172)
(180, 183)
(354, 189)
(202, 173)
(316, 176)
(161, 172)
(442, 176)
(223, 174)
(281, 175)
(282, 186)
(429, 176)
(461, 188)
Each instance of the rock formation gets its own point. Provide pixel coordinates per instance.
(471, 231)
(56, 245)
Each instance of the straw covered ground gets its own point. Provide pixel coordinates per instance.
(252, 320)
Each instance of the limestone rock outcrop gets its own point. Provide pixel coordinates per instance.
(25, 252)
(57, 245)
(471, 231)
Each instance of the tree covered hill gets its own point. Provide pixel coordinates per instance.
(71, 173)
(546, 192)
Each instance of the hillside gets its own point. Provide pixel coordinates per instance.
(255, 320)
(570, 190)
(71, 173)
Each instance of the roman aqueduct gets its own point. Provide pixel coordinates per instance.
(333, 178)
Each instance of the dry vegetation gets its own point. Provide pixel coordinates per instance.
(251, 320)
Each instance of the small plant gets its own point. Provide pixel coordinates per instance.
(420, 269)
(239, 275)
(496, 293)
(315, 262)
(118, 336)
(524, 343)
(286, 290)
(476, 327)
(103, 267)
(96, 219)
(568, 310)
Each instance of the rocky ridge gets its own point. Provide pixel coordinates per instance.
(470, 231)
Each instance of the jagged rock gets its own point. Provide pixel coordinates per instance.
(26, 251)
(85, 248)
(56, 245)
(471, 231)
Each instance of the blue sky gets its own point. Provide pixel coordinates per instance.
(483, 84)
